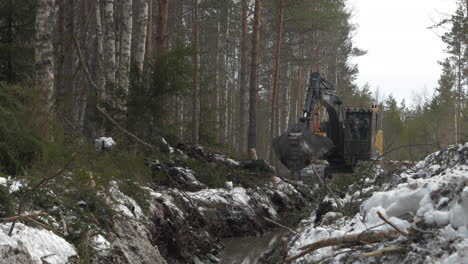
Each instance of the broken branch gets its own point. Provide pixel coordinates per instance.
(382, 251)
(349, 240)
(391, 224)
(280, 225)
(21, 217)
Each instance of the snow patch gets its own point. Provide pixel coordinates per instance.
(104, 143)
(44, 246)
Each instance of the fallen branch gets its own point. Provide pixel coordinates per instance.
(337, 201)
(280, 225)
(46, 226)
(348, 240)
(21, 217)
(130, 134)
(392, 224)
(382, 251)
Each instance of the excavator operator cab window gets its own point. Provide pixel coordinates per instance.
(358, 126)
(357, 142)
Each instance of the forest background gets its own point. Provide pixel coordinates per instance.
(226, 74)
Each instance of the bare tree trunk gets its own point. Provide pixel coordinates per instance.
(149, 37)
(216, 89)
(161, 28)
(227, 51)
(244, 103)
(125, 46)
(179, 105)
(109, 46)
(81, 98)
(274, 102)
(286, 104)
(196, 77)
(139, 42)
(44, 50)
(252, 135)
(100, 49)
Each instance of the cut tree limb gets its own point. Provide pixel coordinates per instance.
(21, 217)
(349, 240)
(382, 251)
(130, 134)
(392, 224)
(280, 225)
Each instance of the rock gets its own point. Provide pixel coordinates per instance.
(186, 178)
(331, 217)
(323, 209)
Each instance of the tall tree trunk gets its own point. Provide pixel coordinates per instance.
(139, 42)
(109, 48)
(216, 88)
(101, 93)
(252, 135)
(161, 28)
(196, 77)
(285, 105)
(44, 50)
(149, 38)
(179, 105)
(274, 102)
(81, 98)
(125, 46)
(243, 93)
(228, 65)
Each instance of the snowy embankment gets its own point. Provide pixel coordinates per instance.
(180, 220)
(429, 203)
(28, 244)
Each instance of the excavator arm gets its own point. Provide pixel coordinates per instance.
(305, 141)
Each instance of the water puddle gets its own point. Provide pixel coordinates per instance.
(247, 250)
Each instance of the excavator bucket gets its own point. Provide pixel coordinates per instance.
(297, 148)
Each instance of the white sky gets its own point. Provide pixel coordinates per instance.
(402, 53)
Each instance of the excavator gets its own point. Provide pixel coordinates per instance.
(326, 131)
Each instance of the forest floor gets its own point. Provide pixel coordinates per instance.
(201, 197)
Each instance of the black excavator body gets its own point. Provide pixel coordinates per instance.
(324, 132)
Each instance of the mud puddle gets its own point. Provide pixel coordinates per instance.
(247, 250)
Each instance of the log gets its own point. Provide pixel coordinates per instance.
(348, 240)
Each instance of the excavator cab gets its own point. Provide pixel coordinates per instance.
(362, 137)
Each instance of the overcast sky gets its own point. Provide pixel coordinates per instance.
(402, 53)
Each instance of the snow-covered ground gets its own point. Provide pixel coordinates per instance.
(33, 245)
(430, 202)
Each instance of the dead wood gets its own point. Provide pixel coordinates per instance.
(382, 251)
(21, 217)
(348, 240)
(392, 224)
(280, 225)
